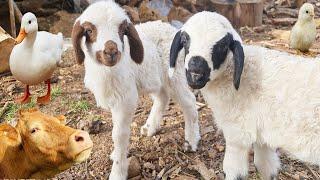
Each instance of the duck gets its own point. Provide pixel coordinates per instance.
(303, 33)
(35, 57)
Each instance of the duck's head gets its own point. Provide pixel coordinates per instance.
(29, 25)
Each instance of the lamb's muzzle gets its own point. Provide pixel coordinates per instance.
(198, 72)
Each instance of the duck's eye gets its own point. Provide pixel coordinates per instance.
(307, 12)
(29, 21)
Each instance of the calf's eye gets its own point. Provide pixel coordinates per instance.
(34, 130)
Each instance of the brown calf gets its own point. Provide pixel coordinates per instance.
(40, 146)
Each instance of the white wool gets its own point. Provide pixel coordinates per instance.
(276, 106)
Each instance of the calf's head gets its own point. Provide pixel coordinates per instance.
(207, 38)
(101, 30)
(42, 145)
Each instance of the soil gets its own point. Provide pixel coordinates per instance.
(161, 155)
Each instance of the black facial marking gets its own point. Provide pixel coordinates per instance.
(220, 50)
(198, 72)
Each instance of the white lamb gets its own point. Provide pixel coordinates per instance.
(122, 61)
(277, 104)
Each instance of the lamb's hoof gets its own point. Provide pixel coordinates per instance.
(147, 130)
(117, 176)
(190, 148)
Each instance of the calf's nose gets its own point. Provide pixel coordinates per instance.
(82, 139)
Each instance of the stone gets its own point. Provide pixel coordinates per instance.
(179, 14)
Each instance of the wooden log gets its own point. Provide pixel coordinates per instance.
(6, 46)
(12, 19)
(240, 12)
(17, 12)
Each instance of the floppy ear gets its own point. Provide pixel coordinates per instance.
(76, 35)
(175, 48)
(238, 57)
(136, 47)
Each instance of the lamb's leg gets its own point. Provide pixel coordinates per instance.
(121, 118)
(266, 161)
(235, 163)
(160, 101)
(187, 102)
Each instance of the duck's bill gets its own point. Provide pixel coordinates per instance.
(21, 36)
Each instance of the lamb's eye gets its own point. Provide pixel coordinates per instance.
(34, 130)
(307, 12)
(29, 21)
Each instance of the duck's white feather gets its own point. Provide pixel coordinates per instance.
(34, 62)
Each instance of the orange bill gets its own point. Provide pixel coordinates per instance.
(21, 36)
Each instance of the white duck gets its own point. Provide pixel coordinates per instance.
(35, 57)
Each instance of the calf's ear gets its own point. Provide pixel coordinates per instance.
(61, 118)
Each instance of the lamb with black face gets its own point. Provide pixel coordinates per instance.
(198, 72)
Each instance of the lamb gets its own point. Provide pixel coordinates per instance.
(277, 104)
(123, 61)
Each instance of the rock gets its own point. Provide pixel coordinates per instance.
(148, 165)
(179, 13)
(64, 23)
(96, 127)
(134, 169)
(148, 14)
(220, 148)
(132, 13)
(187, 4)
(123, 2)
(134, 3)
(11, 88)
(202, 5)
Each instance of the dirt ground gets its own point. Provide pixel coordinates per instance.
(161, 156)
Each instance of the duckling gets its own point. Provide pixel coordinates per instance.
(304, 32)
(35, 57)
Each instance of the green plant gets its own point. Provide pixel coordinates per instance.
(55, 92)
(79, 106)
(13, 109)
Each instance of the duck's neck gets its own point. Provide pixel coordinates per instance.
(30, 38)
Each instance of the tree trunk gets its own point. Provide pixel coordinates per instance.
(6, 46)
(240, 12)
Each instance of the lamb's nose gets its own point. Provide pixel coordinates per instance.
(195, 76)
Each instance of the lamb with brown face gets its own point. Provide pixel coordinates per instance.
(123, 61)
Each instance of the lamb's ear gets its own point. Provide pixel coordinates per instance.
(238, 57)
(176, 47)
(76, 35)
(136, 47)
